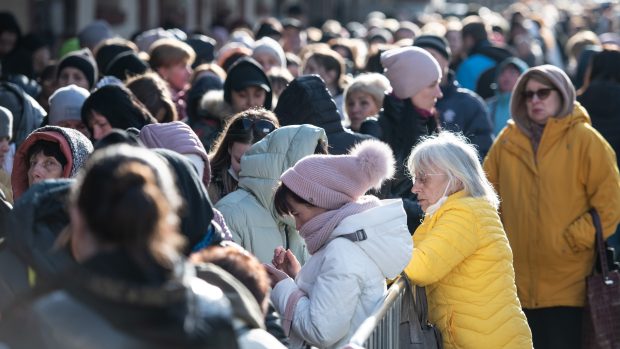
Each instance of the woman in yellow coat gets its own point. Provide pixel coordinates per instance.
(550, 167)
(461, 253)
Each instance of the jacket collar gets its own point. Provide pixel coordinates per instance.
(516, 142)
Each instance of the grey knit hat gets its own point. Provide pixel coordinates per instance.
(66, 104)
(6, 123)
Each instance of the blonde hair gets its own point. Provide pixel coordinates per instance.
(167, 52)
(212, 68)
(373, 84)
(452, 154)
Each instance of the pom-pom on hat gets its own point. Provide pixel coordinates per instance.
(331, 181)
(410, 69)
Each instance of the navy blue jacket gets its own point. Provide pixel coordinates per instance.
(462, 110)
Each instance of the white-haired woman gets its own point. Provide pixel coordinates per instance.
(461, 253)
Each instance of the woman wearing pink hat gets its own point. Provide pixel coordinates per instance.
(356, 242)
(408, 114)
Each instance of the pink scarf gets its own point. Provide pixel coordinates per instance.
(317, 231)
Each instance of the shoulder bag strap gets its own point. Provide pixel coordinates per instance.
(407, 305)
(421, 304)
(599, 253)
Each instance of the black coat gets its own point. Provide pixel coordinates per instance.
(306, 100)
(109, 301)
(462, 110)
(601, 100)
(401, 126)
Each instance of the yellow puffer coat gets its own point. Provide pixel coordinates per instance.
(545, 201)
(462, 256)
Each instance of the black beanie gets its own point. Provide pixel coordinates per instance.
(106, 54)
(82, 60)
(244, 73)
(125, 65)
(435, 42)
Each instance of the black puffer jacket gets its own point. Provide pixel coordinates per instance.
(306, 100)
(401, 126)
(602, 103)
(110, 300)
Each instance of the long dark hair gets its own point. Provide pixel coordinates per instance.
(219, 157)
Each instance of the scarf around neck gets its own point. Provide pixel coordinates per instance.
(536, 135)
(317, 231)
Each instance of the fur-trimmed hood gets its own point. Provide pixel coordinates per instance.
(213, 106)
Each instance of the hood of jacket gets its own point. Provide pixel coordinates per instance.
(306, 100)
(556, 130)
(30, 116)
(74, 145)
(35, 223)
(388, 242)
(558, 80)
(516, 62)
(198, 212)
(601, 100)
(578, 115)
(264, 163)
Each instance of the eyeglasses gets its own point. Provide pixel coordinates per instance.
(423, 178)
(260, 127)
(542, 93)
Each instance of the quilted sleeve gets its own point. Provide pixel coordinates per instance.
(450, 241)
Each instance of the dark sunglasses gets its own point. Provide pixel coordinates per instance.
(260, 127)
(542, 94)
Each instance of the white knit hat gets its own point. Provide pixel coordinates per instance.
(272, 47)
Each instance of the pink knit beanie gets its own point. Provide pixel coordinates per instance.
(410, 69)
(330, 181)
(179, 137)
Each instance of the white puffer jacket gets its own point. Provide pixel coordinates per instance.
(345, 281)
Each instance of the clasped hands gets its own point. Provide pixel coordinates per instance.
(284, 265)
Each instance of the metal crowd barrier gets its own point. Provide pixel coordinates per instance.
(380, 330)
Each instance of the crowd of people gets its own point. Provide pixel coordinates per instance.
(262, 188)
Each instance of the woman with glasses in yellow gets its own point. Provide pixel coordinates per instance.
(550, 167)
(461, 253)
